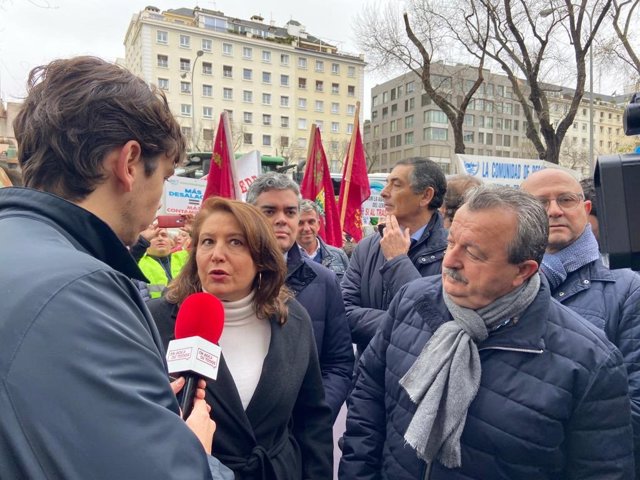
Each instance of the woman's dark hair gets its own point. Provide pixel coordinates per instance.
(79, 110)
(271, 294)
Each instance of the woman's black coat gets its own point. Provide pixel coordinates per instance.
(286, 432)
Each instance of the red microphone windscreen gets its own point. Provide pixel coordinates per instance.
(200, 315)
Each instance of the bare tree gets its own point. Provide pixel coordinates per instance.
(616, 49)
(418, 47)
(526, 40)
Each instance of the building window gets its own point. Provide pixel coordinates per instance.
(207, 112)
(468, 120)
(248, 138)
(266, 140)
(319, 66)
(411, 86)
(409, 104)
(227, 49)
(408, 138)
(163, 83)
(207, 135)
(319, 106)
(435, 116)
(247, 74)
(227, 71)
(163, 61)
(302, 103)
(247, 52)
(266, 119)
(185, 110)
(319, 86)
(284, 101)
(207, 68)
(266, 99)
(335, 107)
(185, 41)
(247, 117)
(206, 44)
(229, 113)
(207, 90)
(266, 56)
(284, 141)
(247, 96)
(284, 122)
(302, 123)
(186, 131)
(284, 59)
(302, 62)
(284, 80)
(351, 109)
(185, 87)
(408, 121)
(335, 68)
(468, 137)
(349, 128)
(266, 77)
(162, 37)
(227, 93)
(433, 133)
(351, 71)
(302, 83)
(185, 65)
(319, 124)
(335, 88)
(335, 127)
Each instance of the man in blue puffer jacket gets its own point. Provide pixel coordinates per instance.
(480, 374)
(609, 299)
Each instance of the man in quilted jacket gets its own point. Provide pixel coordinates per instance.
(480, 374)
(609, 299)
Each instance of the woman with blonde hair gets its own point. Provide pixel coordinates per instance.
(268, 401)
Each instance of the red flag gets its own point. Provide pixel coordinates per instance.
(354, 188)
(316, 186)
(221, 178)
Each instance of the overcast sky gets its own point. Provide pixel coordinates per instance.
(33, 32)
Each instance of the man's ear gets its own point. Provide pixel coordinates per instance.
(526, 270)
(427, 196)
(127, 164)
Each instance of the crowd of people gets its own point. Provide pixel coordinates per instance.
(478, 335)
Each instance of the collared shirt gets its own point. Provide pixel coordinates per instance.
(418, 234)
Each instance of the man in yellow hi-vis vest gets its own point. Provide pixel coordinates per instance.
(159, 265)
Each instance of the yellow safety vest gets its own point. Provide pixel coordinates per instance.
(155, 272)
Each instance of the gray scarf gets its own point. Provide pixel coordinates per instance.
(445, 377)
(557, 266)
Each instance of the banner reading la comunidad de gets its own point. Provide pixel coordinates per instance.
(182, 195)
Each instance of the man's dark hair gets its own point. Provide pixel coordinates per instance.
(589, 190)
(426, 173)
(79, 110)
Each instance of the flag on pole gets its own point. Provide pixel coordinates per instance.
(221, 178)
(317, 187)
(354, 188)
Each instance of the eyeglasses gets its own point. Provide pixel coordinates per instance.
(566, 201)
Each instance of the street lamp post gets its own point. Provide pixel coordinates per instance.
(199, 53)
(546, 13)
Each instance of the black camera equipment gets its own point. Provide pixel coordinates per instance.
(617, 182)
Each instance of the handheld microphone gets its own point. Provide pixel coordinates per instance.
(194, 353)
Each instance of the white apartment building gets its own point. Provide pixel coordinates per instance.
(274, 81)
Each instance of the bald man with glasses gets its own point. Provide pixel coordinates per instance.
(608, 299)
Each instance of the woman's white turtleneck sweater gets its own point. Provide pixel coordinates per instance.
(245, 342)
